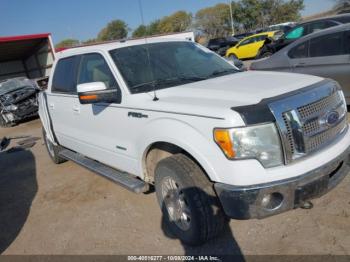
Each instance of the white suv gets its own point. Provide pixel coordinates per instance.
(213, 141)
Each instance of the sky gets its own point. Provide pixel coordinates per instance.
(83, 19)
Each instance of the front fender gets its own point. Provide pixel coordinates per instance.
(198, 143)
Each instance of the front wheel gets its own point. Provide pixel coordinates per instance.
(190, 207)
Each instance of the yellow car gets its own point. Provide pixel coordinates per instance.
(249, 47)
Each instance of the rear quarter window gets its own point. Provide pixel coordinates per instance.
(65, 75)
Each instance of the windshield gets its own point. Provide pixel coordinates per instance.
(161, 65)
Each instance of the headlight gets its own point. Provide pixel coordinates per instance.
(11, 108)
(259, 142)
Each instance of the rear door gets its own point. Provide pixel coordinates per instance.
(326, 56)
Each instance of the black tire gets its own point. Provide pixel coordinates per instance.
(233, 56)
(53, 150)
(192, 192)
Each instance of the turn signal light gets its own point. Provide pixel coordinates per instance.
(223, 139)
(88, 97)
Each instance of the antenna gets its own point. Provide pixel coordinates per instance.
(155, 98)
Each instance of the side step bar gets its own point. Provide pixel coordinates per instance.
(126, 180)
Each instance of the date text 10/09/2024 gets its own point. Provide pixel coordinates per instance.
(173, 258)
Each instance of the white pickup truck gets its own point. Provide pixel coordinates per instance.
(216, 143)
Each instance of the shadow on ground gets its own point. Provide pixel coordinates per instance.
(18, 187)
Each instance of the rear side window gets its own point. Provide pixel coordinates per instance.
(94, 68)
(317, 26)
(329, 45)
(300, 51)
(64, 78)
(343, 19)
(261, 38)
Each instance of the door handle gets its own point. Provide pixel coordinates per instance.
(300, 65)
(52, 106)
(76, 109)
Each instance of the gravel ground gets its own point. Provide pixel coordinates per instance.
(65, 209)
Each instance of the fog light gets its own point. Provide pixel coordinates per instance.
(272, 201)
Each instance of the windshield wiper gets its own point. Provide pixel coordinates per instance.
(161, 83)
(222, 72)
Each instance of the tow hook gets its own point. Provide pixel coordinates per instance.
(307, 205)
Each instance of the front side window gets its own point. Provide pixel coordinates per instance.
(64, 78)
(94, 68)
(155, 66)
(329, 45)
(296, 33)
(248, 41)
(300, 51)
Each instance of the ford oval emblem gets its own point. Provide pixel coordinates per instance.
(332, 118)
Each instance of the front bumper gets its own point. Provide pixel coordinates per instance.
(259, 201)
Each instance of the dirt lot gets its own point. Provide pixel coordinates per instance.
(65, 209)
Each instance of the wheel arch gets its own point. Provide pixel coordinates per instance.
(160, 150)
(171, 136)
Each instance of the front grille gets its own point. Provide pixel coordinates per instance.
(310, 120)
(314, 142)
(320, 106)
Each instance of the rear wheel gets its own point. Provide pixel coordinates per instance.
(53, 150)
(233, 56)
(189, 204)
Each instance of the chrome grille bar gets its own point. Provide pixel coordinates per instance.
(304, 119)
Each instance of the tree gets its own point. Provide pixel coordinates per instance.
(114, 30)
(176, 22)
(90, 41)
(153, 27)
(140, 31)
(342, 6)
(214, 21)
(67, 43)
(254, 14)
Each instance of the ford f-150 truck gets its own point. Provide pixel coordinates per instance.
(214, 142)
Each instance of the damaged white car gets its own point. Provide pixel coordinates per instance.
(18, 100)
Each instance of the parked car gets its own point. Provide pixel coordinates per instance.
(301, 30)
(18, 100)
(215, 142)
(220, 45)
(249, 47)
(325, 53)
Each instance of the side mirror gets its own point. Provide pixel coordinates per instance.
(97, 92)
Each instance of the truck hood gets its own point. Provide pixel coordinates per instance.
(215, 97)
(238, 89)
